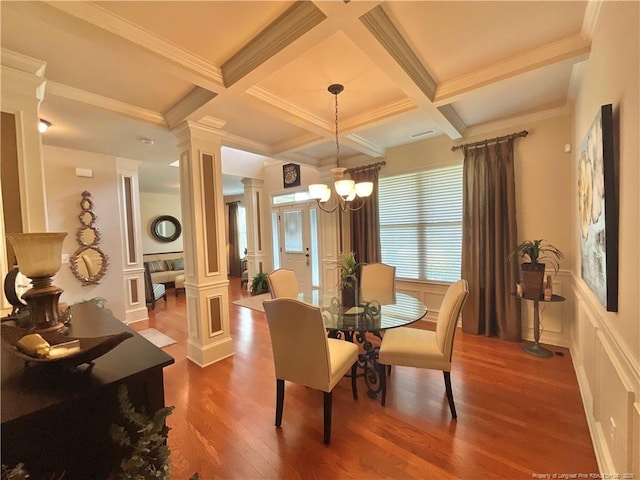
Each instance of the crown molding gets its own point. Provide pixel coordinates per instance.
(123, 28)
(22, 63)
(590, 20)
(280, 103)
(305, 140)
(249, 145)
(364, 146)
(370, 117)
(284, 30)
(574, 47)
(383, 29)
(106, 103)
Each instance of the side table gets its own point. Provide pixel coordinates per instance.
(535, 348)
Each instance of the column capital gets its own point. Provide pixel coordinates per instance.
(250, 183)
(208, 129)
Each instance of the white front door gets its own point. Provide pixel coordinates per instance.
(298, 242)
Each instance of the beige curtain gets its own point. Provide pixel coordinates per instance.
(365, 223)
(235, 268)
(488, 235)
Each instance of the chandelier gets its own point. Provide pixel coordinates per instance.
(346, 190)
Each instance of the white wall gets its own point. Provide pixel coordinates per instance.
(606, 346)
(63, 196)
(153, 205)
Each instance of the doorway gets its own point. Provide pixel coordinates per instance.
(295, 242)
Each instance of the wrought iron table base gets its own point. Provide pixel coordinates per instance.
(367, 360)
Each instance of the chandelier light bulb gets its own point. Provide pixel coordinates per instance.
(364, 189)
(43, 125)
(345, 188)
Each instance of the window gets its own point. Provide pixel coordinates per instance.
(421, 224)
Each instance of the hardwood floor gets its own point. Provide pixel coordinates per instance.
(518, 415)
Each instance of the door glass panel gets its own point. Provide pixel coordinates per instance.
(315, 260)
(276, 240)
(293, 231)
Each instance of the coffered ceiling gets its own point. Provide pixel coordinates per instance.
(119, 72)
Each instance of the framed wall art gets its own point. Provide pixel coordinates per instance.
(598, 209)
(291, 175)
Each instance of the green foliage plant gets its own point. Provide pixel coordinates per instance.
(348, 271)
(144, 441)
(537, 252)
(259, 284)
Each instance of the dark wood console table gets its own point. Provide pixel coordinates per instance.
(56, 421)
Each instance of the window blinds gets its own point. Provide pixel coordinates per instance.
(421, 224)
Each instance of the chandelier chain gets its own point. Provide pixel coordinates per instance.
(337, 143)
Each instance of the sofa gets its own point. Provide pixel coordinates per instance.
(164, 267)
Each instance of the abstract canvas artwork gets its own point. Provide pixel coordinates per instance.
(598, 209)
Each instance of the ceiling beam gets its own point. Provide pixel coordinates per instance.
(284, 30)
(383, 29)
(188, 105)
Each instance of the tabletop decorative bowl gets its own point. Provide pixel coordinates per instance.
(90, 348)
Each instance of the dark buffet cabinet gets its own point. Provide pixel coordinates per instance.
(56, 421)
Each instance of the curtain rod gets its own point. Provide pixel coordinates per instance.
(371, 166)
(481, 143)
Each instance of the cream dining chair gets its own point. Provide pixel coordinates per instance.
(283, 283)
(377, 276)
(311, 359)
(412, 347)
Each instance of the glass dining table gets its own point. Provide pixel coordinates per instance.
(374, 312)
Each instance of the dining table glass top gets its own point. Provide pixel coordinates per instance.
(375, 310)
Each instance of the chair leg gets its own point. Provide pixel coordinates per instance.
(447, 386)
(354, 384)
(382, 370)
(279, 401)
(327, 417)
(389, 370)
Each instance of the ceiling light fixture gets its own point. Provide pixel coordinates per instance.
(147, 141)
(347, 190)
(43, 126)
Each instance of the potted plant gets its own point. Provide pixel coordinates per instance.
(535, 253)
(259, 284)
(348, 279)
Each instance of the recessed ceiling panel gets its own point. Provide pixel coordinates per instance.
(88, 58)
(304, 81)
(214, 30)
(327, 151)
(454, 38)
(247, 122)
(404, 128)
(105, 132)
(527, 93)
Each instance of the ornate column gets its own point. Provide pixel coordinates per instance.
(257, 208)
(206, 283)
(22, 90)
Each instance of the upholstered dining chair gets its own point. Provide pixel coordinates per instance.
(303, 354)
(283, 283)
(377, 276)
(412, 347)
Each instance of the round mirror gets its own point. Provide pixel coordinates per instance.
(88, 236)
(87, 218)
(166, 228)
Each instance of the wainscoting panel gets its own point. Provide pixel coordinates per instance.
(608, 384)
